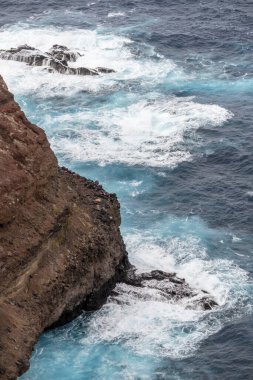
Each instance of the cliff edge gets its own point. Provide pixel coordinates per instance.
(60, 246)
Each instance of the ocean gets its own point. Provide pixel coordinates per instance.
(171, 132)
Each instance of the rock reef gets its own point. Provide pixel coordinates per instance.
(57, 60)
(61, 250)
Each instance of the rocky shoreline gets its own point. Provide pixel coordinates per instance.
(61, 250)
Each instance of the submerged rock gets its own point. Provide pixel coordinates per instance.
(55, 60)
(60, 246)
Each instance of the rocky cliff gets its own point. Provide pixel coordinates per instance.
(60, 244)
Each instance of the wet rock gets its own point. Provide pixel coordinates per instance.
(63, 54)
(169, 287)
(26, 54)
(56, 60)
(104, 70)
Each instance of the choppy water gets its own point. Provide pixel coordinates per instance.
(171, 133)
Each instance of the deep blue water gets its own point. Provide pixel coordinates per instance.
(172, 134)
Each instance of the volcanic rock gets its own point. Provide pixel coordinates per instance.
(60, 246)
(55, 60)
(168, 287)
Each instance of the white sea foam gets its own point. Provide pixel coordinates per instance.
(235, 239)
(144, 133)
(150, 325)
(104, 50)
(116, 14)
(135, 183)
(140, 132)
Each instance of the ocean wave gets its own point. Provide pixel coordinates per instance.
(146, 133)
(97, 49)
(149, 325)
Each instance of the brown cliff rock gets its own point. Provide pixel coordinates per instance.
(60, 244)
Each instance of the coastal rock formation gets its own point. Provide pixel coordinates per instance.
(61, 251)
(167, 286)
(60, 246)
(55, 60)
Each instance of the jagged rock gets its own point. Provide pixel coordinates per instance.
(168, 285)
(59, 252)
(55, 60)
(63, 54)
(25, 54)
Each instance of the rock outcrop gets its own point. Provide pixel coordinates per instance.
(167, 286)
(55, 60)
(60, 246)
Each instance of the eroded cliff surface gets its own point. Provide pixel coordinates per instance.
(60, 244)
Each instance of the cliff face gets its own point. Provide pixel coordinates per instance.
(60, 244)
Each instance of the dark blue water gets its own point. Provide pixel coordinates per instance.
(172, 134)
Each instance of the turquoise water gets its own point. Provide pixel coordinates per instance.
(171, 133)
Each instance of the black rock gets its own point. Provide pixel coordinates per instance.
(104, 70)
(168, 285)
(55, 60)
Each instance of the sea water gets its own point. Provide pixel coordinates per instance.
(171, 133)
